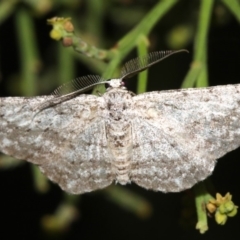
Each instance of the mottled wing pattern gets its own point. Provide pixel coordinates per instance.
(67, 141)
(179, 134)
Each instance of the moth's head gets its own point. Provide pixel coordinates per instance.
(115, 83)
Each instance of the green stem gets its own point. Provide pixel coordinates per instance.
(142, 77)
(6, 9)
(129, 201)
(128, 42)
(66, 65)
(202, 80)
(234, 7)
(7, 162)
(29, 56)
(203, 28)
(41, 183)
(200, 194)
(64, 215)
(199, 63)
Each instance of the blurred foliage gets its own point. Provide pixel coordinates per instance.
(103, 33)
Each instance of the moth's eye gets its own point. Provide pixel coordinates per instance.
(106, 85)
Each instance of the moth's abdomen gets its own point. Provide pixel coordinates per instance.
(120, 143)
(122, 166)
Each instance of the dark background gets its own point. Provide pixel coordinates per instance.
(22, 207)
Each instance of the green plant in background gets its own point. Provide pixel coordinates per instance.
(106, 62)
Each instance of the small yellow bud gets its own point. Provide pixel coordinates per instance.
(233, 212)
(220, 218)
(56, 34)
(211, 207)
(67, 41)
(226, 207)
(68, 26)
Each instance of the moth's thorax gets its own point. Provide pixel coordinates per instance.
(118, 102)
